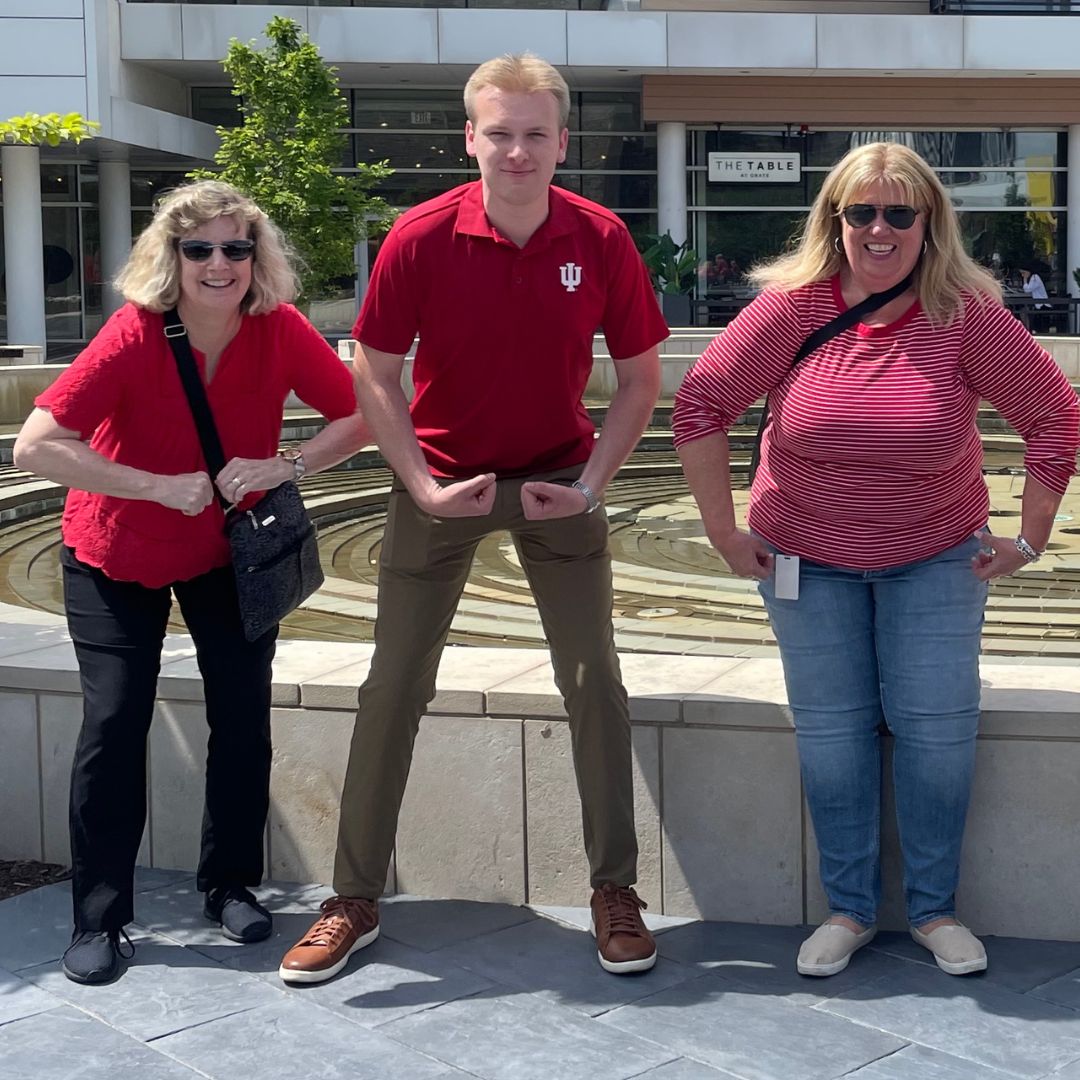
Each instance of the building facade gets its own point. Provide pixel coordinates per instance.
(715, 120)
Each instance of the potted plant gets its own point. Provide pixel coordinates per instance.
(673, 269)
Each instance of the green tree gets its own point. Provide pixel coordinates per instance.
(284, 152)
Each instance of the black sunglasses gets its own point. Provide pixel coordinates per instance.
(859, 215)
(201, 250)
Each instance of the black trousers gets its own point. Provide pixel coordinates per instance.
(118, 628)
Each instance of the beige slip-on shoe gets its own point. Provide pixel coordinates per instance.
(956, 949)
(828, 949)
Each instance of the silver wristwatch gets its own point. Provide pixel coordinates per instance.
(591, 501)
(296, 456)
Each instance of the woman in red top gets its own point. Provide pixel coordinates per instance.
(871, 479)
(142, 523)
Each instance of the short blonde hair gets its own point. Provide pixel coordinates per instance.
(151, 275)
(944, 272)
(518, 73)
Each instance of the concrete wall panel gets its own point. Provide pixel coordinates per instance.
(471, 37)
(461, 832)
(20, 778)
(723, 792)
(380, 35)
(39, 47)
(709, 40)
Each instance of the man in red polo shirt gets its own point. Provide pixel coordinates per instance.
(505, 280)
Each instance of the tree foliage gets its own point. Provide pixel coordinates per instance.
(284, 152)
(50, 129)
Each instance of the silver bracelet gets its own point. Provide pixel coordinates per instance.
(1029, 553)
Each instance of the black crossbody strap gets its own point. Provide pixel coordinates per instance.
(212, 450)
(831, 329)
(849, 318)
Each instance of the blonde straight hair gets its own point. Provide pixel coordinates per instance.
(518, 73)
(151, 276)
(943, 274)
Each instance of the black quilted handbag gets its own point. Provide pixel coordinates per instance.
(275, 553)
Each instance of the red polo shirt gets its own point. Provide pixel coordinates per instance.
(506, 333)
(123, 393)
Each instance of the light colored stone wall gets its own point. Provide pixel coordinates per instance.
(491, 811)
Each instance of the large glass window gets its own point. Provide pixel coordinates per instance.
(71, 256)
(215, 105)
(1008, 188)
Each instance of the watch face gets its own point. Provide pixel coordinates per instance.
(291, 454)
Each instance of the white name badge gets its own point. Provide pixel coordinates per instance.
(786, 574)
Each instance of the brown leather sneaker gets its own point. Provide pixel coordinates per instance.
(345, 927)
(622, 941)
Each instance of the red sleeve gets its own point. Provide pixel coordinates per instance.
(632, 321)
(741, 364)
(1007, 366)
(390, 315)
(92, 388)
(317, 374)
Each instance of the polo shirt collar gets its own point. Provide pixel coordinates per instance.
(473, 221)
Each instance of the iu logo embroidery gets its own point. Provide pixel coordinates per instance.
(570, 276)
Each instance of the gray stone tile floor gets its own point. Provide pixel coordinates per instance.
(456, 988)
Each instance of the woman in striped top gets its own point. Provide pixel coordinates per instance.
(871, 476)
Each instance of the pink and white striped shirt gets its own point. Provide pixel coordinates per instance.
(872, 457)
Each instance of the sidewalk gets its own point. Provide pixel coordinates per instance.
(463, 989)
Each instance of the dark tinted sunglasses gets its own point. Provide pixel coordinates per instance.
(859, 215)
(201, 250)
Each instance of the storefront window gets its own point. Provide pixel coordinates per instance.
(1005, 243)
(215, 105)
(409, 110)
(147, 185)
(58, 183)
(63, 273)
(618, 192)
(618, 151)
(408, 151)
(1009, 189)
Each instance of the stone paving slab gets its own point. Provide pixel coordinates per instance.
(756, 1036)
(291, 1039)
(969, 1018)
(500, 1038)
(66, 1043)
(499, 992)
(685, 1069)
(919, 1063)
(169, 989)
(20, 998)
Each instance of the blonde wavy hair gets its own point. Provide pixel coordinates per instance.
(944, 272)
(151, 275)
(518, 73)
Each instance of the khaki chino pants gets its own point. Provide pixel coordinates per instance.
(423, 569)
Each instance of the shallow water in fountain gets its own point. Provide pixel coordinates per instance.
(673, 593)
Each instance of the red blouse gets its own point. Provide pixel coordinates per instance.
(124, 395)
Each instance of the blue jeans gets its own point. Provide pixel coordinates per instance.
(899, 645)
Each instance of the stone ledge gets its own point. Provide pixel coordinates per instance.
(491, 808)
(1029, 700)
